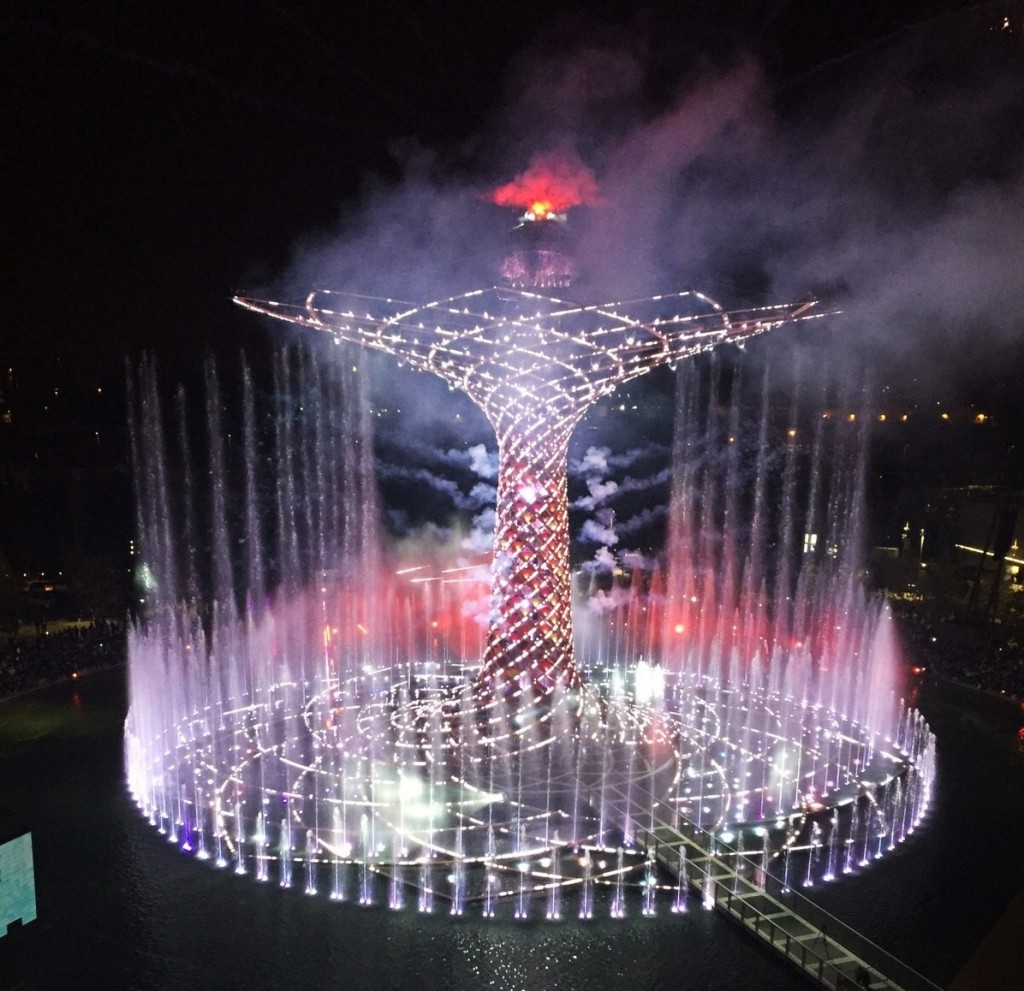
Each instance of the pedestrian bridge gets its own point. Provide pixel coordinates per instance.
(824, 949)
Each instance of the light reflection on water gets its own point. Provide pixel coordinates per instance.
(119, 908)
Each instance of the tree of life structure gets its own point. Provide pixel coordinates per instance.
(534, 364)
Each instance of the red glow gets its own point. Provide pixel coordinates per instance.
(552, 183)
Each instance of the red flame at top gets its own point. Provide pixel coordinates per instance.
(553, 182)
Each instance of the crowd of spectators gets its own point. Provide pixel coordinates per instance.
(971, 657)
(46, 655)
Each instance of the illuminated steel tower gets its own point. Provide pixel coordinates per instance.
(534, 364)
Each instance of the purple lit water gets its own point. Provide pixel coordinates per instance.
(119, 908)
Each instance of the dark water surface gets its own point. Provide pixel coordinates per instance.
(120, 908)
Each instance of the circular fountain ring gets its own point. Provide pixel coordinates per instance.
(402, 778)
(562, 758)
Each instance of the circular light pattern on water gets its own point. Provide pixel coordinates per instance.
(393, 789)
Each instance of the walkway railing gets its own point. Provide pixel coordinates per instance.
(827, 950)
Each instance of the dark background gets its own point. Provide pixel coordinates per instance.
(158, 157)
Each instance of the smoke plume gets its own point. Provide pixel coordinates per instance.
(889, 183)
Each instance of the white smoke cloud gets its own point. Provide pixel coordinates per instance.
(600, 493)
(595, 461)
(481, 495)
(604, 600)
(414, 477)
(893, 196)
(480, 538)
(599, 533)
(413, 538)
(478, 609)
(633, 560)
(603, 561)
(600, 461)
(631, 484)
(897, 198)
(623, 460)
(641, 520)
(483, 462)
(422, 477)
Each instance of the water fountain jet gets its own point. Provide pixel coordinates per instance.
(304, 705)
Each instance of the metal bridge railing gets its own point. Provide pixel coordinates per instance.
(824, 947)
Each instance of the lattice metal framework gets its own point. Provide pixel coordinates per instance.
(533, 364)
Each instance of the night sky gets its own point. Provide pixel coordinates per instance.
(159, 157)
